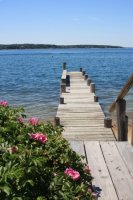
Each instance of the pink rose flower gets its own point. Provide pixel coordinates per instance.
(33, 121)
(4, 103)
(75, 175)
(39, 137)
(87, 169)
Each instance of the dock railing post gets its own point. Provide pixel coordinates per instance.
(107, 122)
(63, 87)
(67, 80)
(95, 98)
(132, 133)
(92, 87)
(86, 76)
(122, 120)
(64, 79)
(80, 69)
(64, 66)
(88, 81)
(57, 121)
(61, 100)
(83, 73)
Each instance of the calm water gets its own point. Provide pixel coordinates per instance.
(31, 78)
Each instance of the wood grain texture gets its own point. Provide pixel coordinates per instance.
(121, 177)
(80, 116)
(100, 171)
(126, 152)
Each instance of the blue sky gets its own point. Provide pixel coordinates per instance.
(67, 22)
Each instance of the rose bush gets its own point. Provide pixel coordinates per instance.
(37, 163)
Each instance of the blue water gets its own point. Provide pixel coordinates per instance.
(31, 78)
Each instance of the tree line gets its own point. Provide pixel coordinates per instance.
(46, 46)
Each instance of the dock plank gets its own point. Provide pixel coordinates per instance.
(126, 152)
(119, 172)
(100, 171)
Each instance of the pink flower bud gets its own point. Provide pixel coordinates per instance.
(87, 169)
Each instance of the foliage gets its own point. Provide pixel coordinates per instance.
(47, 46)
(32, 168)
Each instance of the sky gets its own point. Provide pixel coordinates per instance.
(66, 22)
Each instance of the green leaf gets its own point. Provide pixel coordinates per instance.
(28, 181)
(6, 189)
(41, 198)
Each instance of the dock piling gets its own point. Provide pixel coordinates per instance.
(107, 122)
(57, 121)
(80, 69)
(86, 77)
(88, 81)
(83, 73)
(92, 87)
(61, 100)
(122, 120)
(64, 66)
(63, 87)
(95, 98)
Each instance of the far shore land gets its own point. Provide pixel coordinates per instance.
(51, 46)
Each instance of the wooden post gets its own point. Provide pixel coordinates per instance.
(83, 73)
(107, 122)
(92, 87)
(126, 129)
(61, 100)
(95, 98)
(67, 80)
(88, 81)
(86, 76)
(122, 120)
(132, 134)
(57, 121)
(63, 80)
(63, 87)
(64, 66)
(80, 69)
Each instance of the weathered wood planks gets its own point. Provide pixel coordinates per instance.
(121, 177)
(112, 171)
(79, 114)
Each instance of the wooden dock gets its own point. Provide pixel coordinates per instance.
(83, 121)
(81, 117)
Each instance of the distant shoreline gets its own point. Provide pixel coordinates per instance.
(49, 46)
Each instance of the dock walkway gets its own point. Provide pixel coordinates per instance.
(83, 121)
(81, 117)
